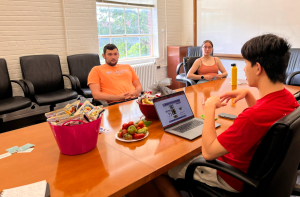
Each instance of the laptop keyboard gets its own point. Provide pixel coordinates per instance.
(188, 126)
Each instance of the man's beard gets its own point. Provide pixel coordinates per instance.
(111, 64)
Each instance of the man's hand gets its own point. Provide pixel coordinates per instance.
(132, 94)
(214, 101)
(237, 94)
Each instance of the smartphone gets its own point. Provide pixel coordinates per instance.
(227, 116)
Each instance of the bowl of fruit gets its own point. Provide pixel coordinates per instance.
(132, 132)
(147, 108)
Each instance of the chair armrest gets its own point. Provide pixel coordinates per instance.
(21, 83)
(78, 86)
(290, 77)
(190, 82)
(178, 68)
(72, 80)
(221, 166)
(29, 89)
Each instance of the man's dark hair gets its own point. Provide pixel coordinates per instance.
(109, 47)
(271, 52)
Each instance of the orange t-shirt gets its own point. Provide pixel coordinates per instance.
(114, 80)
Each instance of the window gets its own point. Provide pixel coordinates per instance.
(129, 28)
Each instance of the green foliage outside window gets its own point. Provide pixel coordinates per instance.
(132, 20)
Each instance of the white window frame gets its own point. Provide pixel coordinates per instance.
(130, 59)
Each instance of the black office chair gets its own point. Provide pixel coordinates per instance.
(80, 66)
(193, 53)
(8, 102)
(293, 69)
(187, 65)
(272, 171)
(44, 79)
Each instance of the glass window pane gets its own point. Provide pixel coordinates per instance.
(133, 47)
(102, 43)
(145, 21)
(102, 20)
(145, 46)
(117, 20)
(120, 43)
(131, 21)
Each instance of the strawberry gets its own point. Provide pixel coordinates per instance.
(124, 131)
(120, 135)
(138, 136)
(141, 124)
(125, 126)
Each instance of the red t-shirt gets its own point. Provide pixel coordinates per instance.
(245, 134)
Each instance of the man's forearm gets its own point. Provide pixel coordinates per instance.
(107, 97)
(209, 133)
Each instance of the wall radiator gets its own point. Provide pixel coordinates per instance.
(146, 73)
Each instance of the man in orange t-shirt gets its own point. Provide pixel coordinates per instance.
(111, 81)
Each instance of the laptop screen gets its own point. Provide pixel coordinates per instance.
(173, 108)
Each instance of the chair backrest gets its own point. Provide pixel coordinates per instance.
(80, 66)
(188, 63)
(195, 51)
(5, 85)
(294, 62)
(44, 71)
(276, 159)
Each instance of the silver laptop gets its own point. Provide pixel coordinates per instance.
(177, 117)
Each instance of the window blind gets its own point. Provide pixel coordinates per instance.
(147, 3)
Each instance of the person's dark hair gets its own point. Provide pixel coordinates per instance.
(271, 52)
(109, 47)
(205, 41)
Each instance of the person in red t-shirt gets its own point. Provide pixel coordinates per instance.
(266, 60)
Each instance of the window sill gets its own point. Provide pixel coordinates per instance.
(138, 60)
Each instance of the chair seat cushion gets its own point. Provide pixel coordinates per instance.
(13, 104)
(181, 77)
(55, 97)
(86, 92)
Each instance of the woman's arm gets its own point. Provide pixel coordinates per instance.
(196, 66)
(221, 68)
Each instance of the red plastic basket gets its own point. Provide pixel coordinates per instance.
(148, 110)
(77, 139)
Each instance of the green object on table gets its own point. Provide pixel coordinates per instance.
(203, 117)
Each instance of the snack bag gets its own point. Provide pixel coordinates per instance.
(86, 107)
(55, 113)
(58, 118)
(75, 117)
(71, 108)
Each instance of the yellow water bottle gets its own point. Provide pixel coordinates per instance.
(233, 75)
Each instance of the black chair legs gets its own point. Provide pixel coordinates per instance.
(52, 107)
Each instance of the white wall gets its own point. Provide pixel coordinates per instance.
(66, 27)
(230, 23)
(187, 23)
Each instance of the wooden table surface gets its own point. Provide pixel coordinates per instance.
(113, 168)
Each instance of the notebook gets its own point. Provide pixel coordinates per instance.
(38, 189)
(177, 117)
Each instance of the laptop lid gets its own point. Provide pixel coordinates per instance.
(173, 109)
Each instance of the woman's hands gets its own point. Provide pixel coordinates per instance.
(208, 77)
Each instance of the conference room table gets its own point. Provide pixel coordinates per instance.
(113, 168)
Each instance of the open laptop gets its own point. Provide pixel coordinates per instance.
(177, 117)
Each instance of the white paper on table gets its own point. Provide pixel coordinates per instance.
(5, 155)
(26, 151)
(37, 189)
